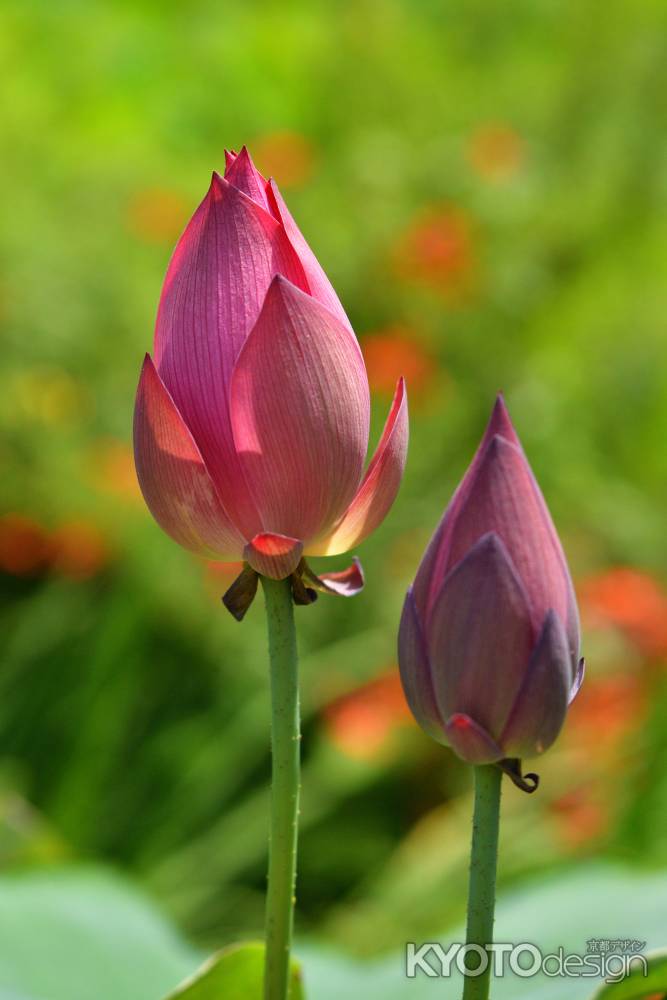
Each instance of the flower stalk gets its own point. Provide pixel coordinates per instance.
(482, 884)
(285, 756)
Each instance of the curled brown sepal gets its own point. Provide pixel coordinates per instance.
(304, 583)
(242, 592)
(301, 593)
(512, 768)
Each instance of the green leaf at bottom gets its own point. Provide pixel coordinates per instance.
(236, 973)
(636, 985)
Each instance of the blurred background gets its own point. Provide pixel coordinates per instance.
(485, 185)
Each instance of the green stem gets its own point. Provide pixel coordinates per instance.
(482, 884)
(284, 786)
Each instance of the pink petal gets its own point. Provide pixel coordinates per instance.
(173, 477)
(347, 582)
(273, 555)
(540, 707)
(415, 670)
(380, 485)
(504, 498)
(531, 521)
(300, 412)
(213, 292)
(432, 568)
(480, 637)
(318, 283)
(242, 173)
(470, 741)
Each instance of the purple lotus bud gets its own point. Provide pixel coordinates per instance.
(489, 636)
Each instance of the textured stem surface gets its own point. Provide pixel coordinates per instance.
(482, 885)
(284, 786)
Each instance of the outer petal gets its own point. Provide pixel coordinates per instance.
(273, 555)
(345, 582)
(318, 283)
(242, 173)
(528, 501)
(480, 637)
(541, 704)
(470, 741)
(300, 413)
(432, 568)
(213, 292)
(173, 476)
(380, 485)
(504, 499)
(415, 669)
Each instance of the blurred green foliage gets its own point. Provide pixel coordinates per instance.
(486, 187)
(71, 934)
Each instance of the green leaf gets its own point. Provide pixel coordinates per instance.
(636, 985)
(74, 934)
(236, 973)
(566, 909)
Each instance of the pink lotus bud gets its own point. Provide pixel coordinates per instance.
(489, 637)
(251, 422)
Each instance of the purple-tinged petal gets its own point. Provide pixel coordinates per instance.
(380, 485)
(480, 636)
(273, 555)
(300, 413)
(213, 293)
(242, 173)
(539, 711)
(470, 741)
(174, 480)
(504, 498)
(318, 283)
(578, 680)
(415, 670)
(433, 566)
(346, 583)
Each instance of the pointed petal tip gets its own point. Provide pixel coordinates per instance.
(286, 294)
(283, 286)
(578, 680)
(242, 173)
(401, 390)
(216, 187)
(150, 381)
(500, 422)
(488, 546)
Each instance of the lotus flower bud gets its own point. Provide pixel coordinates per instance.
(252, 418)
(489, 635)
